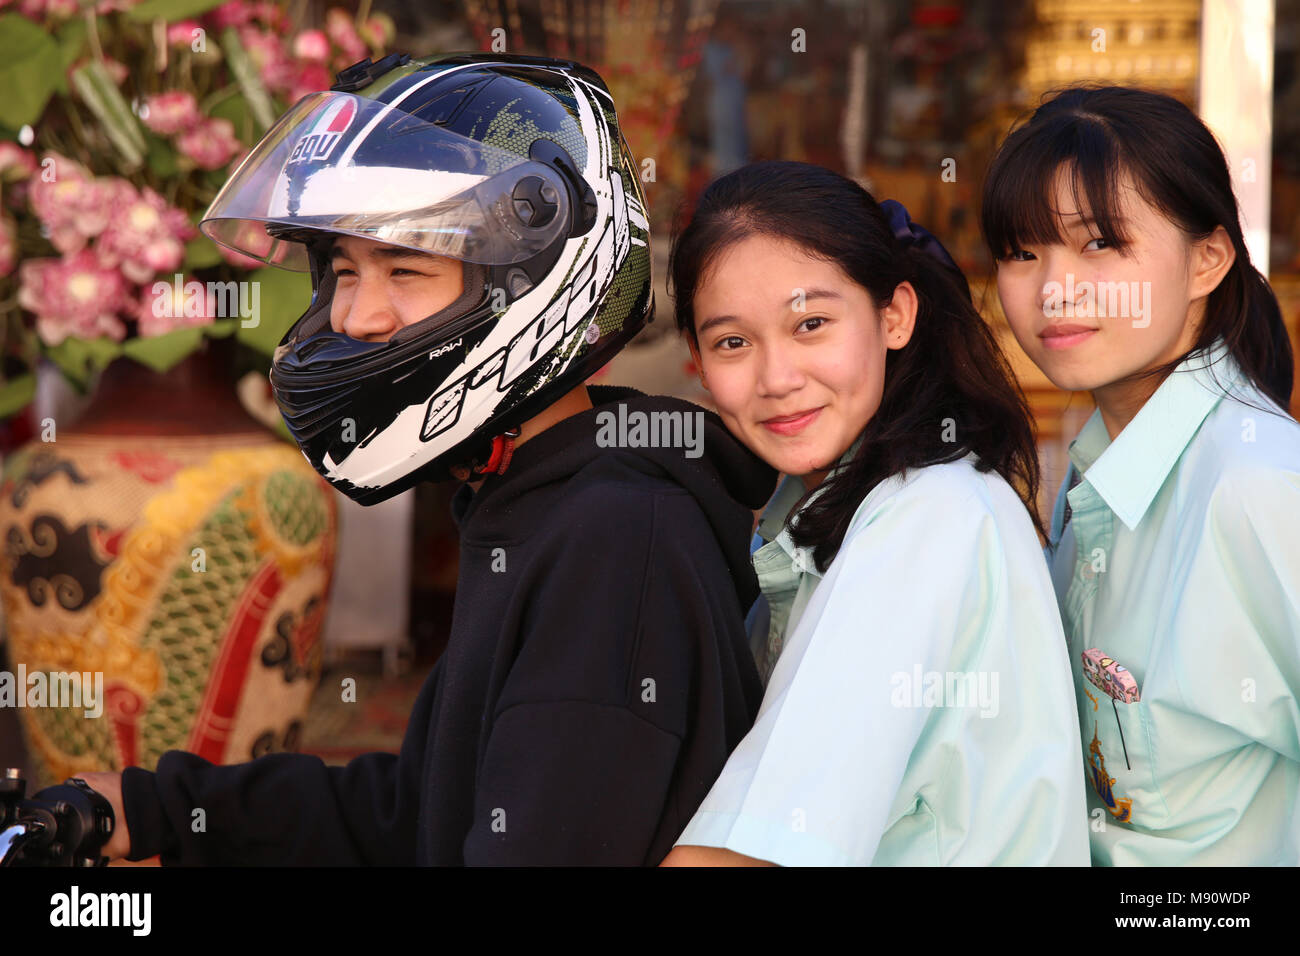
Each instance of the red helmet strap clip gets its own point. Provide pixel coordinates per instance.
(503, 449)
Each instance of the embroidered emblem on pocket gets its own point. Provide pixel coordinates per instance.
(1102, 782)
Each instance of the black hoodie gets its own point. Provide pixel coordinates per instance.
(596, 678)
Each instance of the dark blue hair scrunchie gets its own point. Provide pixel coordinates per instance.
(910, 234)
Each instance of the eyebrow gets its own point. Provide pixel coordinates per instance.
(808, 296)
(386, 252)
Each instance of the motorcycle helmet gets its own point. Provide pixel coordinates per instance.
(512, 165)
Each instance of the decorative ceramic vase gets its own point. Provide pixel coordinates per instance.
(172, 544)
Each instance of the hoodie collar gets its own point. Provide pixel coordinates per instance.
(727, 479)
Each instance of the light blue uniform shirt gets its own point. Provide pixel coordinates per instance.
(1181, 561)
(920, 711)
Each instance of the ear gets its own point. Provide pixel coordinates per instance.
(695, 357)
(1211, 258)
(900, 316)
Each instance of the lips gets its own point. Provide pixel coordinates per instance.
(791, 424)
(1065, 335)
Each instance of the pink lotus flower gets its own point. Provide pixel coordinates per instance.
(181, 33)
(162, 310)
(76, 295)
(235, 13)
(210, 144)
(171, 113)
(311, 45)
(311, 78)
(72, 205)
(55, 9)
(146, 237)
(339, 28)
(16, 163)
(267, 51)
(117, 71)
(378, 31)
(8, 246)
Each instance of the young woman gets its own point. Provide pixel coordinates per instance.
(918, 709)
(1176, 537)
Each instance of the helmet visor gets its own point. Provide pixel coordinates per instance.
(340, 163)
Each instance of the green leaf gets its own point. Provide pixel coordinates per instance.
(30, 70)
(235, 108)
(97, 89)
(259, 101)
(200, 253)
(80, 359)
(170, 10)
(16, 394)
(282, 296)
(161, 352)
(161, 157)
(220, 328)
(71, 38)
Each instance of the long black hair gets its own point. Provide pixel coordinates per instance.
(1100, 135)
(949, 392)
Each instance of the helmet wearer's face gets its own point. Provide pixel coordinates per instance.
(381, 288)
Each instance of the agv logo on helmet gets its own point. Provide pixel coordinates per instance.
(326, 134)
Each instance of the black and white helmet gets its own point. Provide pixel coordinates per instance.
(512, 165)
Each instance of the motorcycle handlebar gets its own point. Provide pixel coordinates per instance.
(64, 825)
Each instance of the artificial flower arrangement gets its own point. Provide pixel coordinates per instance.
(120, 121)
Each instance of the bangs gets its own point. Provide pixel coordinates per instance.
(1019, 202)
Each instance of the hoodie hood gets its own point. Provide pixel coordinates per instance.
(727, 480)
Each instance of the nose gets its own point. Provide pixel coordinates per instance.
(368, 313)
(1053, 275)
(779, 372)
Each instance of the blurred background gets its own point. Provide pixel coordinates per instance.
(172, 456)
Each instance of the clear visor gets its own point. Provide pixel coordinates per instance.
(340, 163)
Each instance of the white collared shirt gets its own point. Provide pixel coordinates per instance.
(920, 711)
(1181, 562)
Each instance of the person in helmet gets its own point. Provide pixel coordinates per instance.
(477, 239)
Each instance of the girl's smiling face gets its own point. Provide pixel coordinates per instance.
(793, 351)
(1146, 300)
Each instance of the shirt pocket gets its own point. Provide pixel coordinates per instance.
(1119, 761)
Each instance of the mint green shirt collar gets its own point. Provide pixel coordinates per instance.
(1128, 472)
(787, 574)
